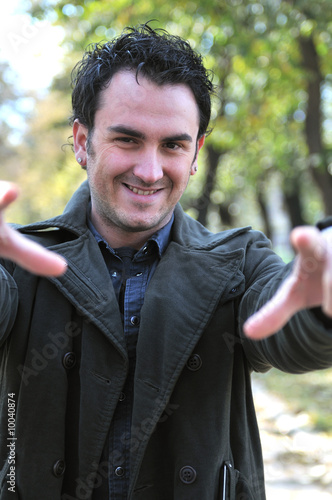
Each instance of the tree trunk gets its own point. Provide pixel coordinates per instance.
(293, 202)
(225, 216)
(317, 160)
(264, 212)
(203, 202)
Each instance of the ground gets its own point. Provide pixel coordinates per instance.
(298, 458)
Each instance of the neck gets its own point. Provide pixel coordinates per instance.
(132, 240)
(117, 237)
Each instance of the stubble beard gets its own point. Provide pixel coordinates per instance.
(117, 219)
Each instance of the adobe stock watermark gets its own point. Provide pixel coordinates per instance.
(24, 32)
(116, 458)
(40, 358)
(11, 442)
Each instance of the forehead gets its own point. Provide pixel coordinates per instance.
(128, 97)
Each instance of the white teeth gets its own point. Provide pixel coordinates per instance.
(139, 191)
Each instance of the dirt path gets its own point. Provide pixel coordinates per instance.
(298, 460)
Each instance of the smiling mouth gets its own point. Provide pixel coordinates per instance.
(140, 191)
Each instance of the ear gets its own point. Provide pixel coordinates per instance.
(199, 146)
(80, 135)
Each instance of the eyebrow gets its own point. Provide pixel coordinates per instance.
(121, 129)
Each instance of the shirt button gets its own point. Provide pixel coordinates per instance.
(138, 274)
(145, 250)
(114, 274)
(119, 471)
(194, 362)
(134, 320)
(187, 474)
(122, 396)
(59, 468)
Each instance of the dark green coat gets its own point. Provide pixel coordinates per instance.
(64, 363)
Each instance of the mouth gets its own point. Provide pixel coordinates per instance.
(141, 191)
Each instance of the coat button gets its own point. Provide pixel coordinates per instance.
(122, 396)
(194, 362)
(187, 474)
(69, 360)
(59, 468)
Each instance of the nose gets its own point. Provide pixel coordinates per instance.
(148, 167)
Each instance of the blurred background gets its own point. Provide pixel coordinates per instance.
(267, 163)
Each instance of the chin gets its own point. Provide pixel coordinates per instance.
(140, 227)
(137, 226)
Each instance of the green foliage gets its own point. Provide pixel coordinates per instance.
(9, 102)
(253, 48)
(44, 166)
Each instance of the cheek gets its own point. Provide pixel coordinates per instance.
(108, 162)
(180, 176)
(98, 153)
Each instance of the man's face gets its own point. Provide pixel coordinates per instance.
(139, 156)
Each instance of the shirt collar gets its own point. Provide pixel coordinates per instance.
(161, 238)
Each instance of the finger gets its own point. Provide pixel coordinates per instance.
(327, 274)
(315, 249)
(8, 193)
(310, 246)
(272, 316)
(21, 250)
(327, 294)
(31, 256)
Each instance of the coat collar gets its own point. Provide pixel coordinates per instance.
(86, 282)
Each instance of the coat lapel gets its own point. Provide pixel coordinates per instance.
(88, 287)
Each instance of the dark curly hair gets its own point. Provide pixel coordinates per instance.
(155, 54)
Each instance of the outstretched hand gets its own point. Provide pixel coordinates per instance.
(19, 249)
(309, 284)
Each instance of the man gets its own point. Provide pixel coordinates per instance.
(125, 367)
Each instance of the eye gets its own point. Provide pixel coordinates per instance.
(126, 140)
(172, 145)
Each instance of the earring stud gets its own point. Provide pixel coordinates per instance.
(79, 160)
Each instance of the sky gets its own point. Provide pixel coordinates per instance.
(32, 48)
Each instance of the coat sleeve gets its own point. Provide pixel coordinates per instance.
(304, 343)
(9, 303)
